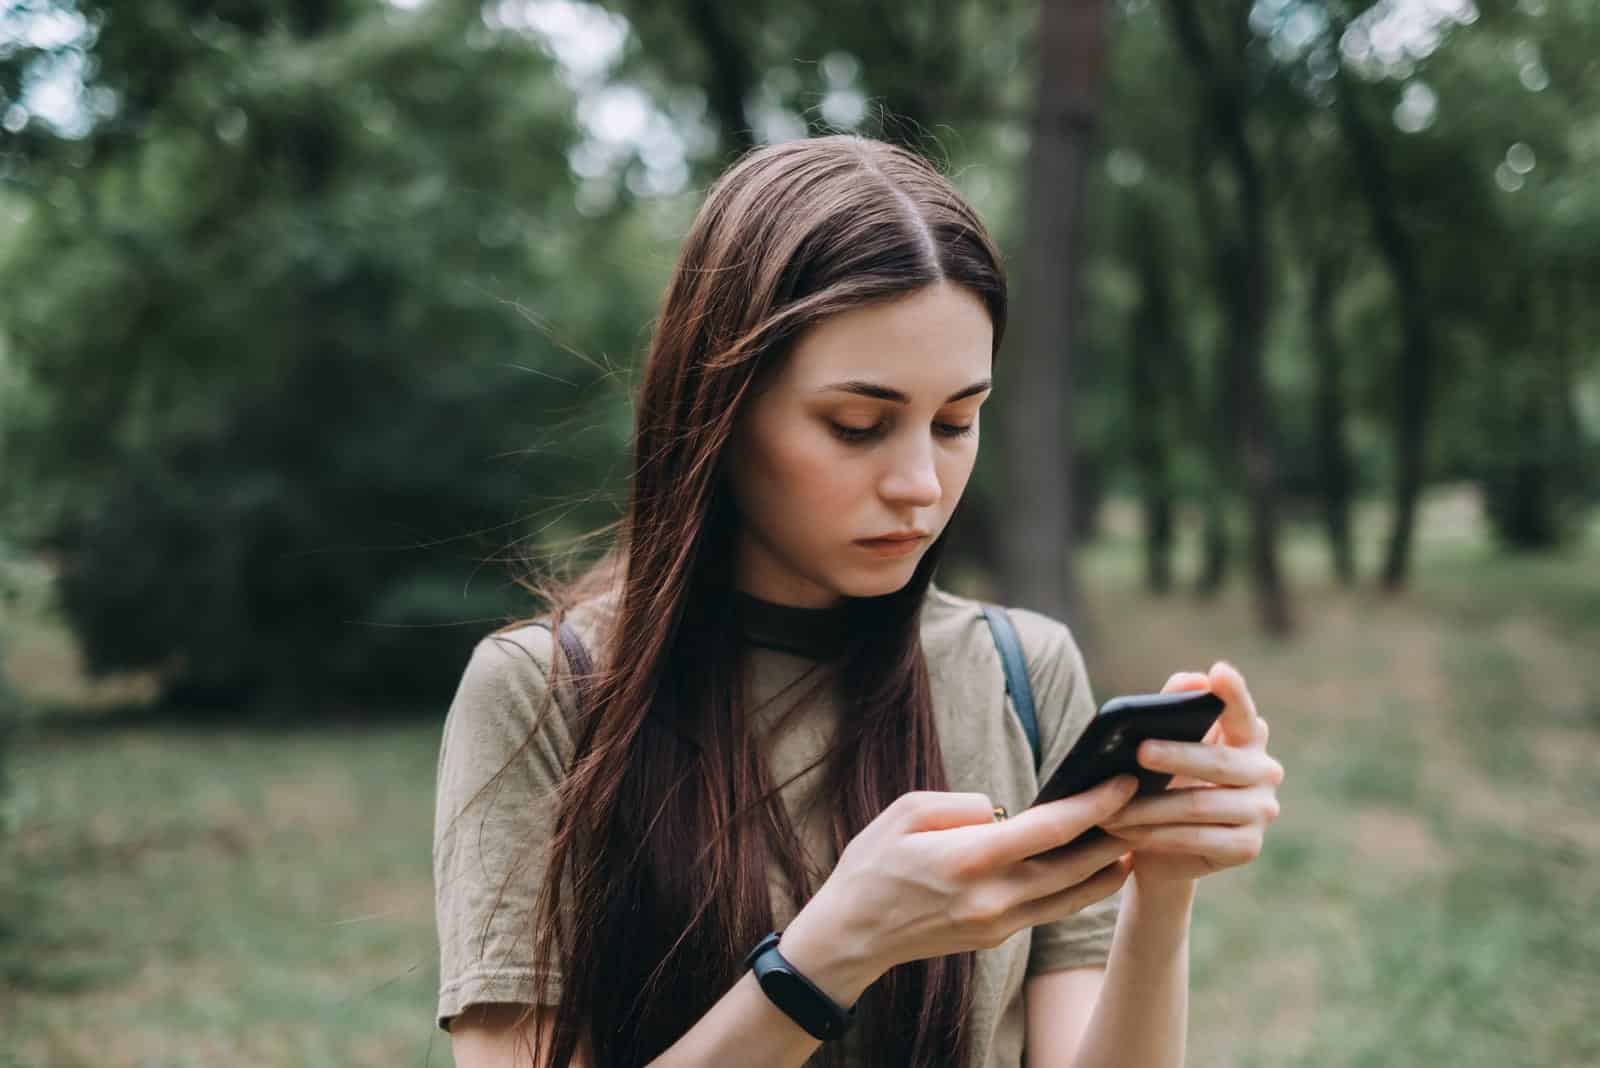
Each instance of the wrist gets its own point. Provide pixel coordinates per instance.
(825, 948)
(1166, 896)
(1160, 915)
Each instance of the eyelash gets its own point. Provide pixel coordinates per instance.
(861, 435)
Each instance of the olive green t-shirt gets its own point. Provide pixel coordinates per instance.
(485, 952)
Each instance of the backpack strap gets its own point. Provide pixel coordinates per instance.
(577, 657)
(1016, 668)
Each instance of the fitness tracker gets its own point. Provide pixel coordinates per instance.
(796, 995)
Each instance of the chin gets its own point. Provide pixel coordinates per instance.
(879, 583)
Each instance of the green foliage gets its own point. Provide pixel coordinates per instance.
(278, 337)
(307, 325)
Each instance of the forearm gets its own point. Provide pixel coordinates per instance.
(745, 1027)
(1142, 1014)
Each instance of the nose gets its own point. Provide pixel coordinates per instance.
(912, 478)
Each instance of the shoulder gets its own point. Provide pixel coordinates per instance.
(955, 631)
(952, 623)
(511, 667)
(506, 722)
(506, 669)
(503, 698)
(505, 705)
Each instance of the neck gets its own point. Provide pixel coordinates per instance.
(797, 629)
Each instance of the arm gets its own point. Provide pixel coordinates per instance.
(1213, 816)
(1133, 1011)
(1097, 994)
(1056, 1006)
(885, 903)
(1141, 1015)
(744, 1024)
(743, 1027)
(932, 874)
(488, 1036)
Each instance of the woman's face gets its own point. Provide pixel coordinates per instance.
(869, 429)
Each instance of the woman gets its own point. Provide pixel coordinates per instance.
(788, 727)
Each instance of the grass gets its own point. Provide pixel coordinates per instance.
(176, 897)
(1427, 895)
(190, 897)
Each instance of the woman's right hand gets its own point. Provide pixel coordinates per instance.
(935, 874)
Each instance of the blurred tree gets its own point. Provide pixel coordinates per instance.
(1242, 267)
(1316, 202)
(928, 75)
(278, 310)
(1415, 368)
(304, 273)
(1038, 432)
(1328, 263)
(1159, 378)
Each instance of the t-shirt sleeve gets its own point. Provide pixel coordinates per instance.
(505, 749)
(1064, 703)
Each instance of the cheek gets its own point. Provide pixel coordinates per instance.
(794, 481)
(954, 471)
(810, 471)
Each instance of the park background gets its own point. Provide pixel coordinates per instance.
(319, 321)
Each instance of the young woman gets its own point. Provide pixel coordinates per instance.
(788, 727)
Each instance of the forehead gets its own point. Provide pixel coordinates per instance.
(927, 343)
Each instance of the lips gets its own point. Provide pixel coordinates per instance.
(893, 546)
(915, 535)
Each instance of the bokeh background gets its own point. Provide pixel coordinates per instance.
(319, 321)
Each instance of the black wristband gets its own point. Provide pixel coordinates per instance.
(796, 995)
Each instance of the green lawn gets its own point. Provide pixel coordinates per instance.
(200, 897)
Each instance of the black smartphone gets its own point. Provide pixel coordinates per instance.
(1109, 745)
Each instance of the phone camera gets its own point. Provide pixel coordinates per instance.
(1114, 741)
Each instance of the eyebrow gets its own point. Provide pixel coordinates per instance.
(879, 392)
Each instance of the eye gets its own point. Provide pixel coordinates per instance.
(858, 435)
(855, 434)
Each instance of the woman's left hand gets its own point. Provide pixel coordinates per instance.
(1224, 791)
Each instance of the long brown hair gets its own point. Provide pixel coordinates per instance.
(666, 823)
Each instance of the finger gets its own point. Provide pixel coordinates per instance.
(1257, 740)
(1213, 736)
(1186, 680)
(1223, 847)
(1063, 903)
(934, 810)
(1239, 708)
(1049, 872)
(1206, 804)
(1046, 826)
(1221, 764)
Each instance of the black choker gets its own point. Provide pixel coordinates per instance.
(811, 632)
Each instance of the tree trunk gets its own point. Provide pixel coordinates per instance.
(731, 76)
(1210, 424)
(1243, 282)
(1333, 457)
(1037, 569)
(1155, 348)
(1415, 370)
